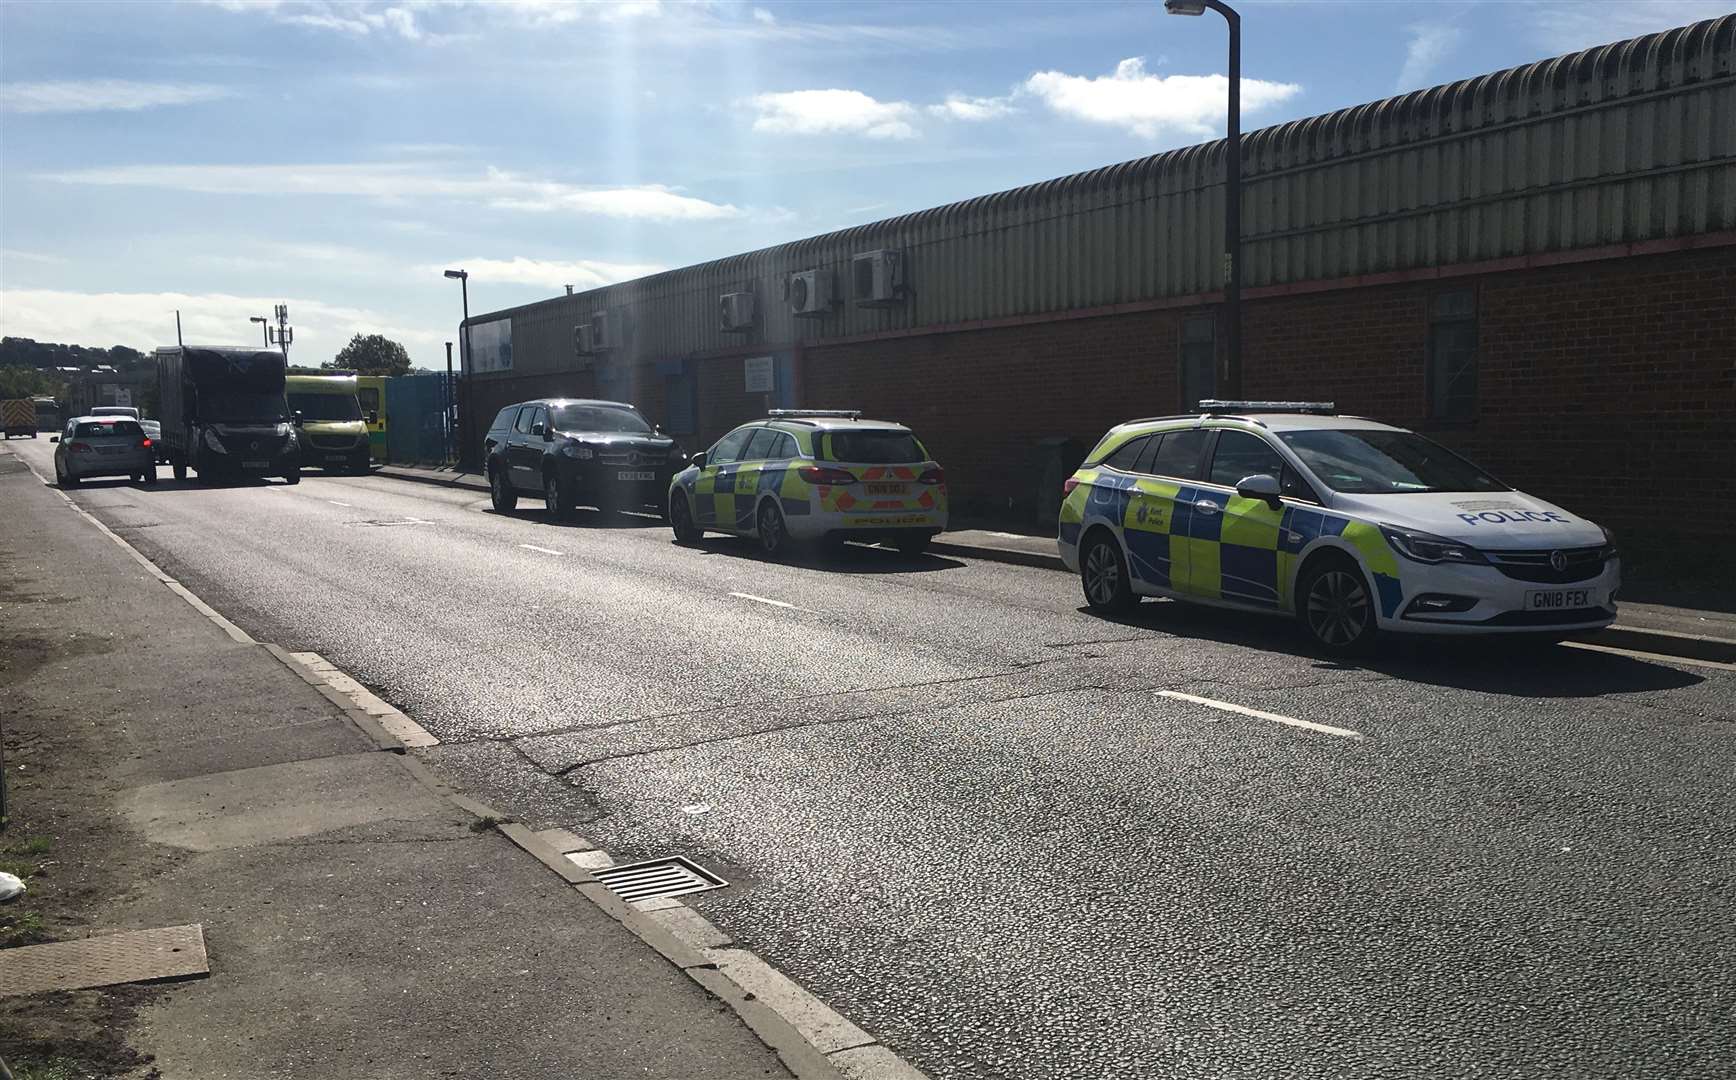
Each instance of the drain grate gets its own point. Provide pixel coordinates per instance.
(671, 876)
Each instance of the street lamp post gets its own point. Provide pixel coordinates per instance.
(1232, 387)
(466, 371)
(264, 328)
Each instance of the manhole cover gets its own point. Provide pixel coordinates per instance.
(170, 952)
(672, 876)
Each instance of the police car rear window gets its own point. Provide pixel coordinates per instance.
(873, 447)
(1385, 463)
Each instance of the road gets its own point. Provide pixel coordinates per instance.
(979, 821)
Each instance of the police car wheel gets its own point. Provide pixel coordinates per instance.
(1337, 609)
(681, 520)
(503, 497)
(773, 539)
(1103, 575)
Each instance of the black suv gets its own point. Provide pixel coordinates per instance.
(599, 453)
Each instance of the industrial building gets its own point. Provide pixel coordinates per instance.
(1536, 267)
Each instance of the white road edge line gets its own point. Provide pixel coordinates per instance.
(1242, 710)
(764, 600)
(545, 551)
(1659, 658)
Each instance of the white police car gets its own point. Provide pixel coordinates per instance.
(1353, 526)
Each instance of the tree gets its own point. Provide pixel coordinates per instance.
(371, 354)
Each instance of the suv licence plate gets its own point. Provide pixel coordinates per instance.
(1561, 599)
(256, 464)
(625, 475)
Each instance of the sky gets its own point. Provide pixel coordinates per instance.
(222, 157)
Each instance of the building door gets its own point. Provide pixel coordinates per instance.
(1199, 360)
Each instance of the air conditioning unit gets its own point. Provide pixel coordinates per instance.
(735, 312)
(810, 293)
(582, 343)
(605, 331)
(877, 278)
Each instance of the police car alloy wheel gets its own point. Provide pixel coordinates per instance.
(1103, 575)
(1337, 608)
(503, 497)
(681, 520)
(772, 537)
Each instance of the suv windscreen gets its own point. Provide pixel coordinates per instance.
(600, 418)
(326, 406)
(874, 447)
(242, 407)
(1378, 462)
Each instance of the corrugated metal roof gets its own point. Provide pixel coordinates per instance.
(1625, 142)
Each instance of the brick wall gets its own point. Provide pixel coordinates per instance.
(1609, 386)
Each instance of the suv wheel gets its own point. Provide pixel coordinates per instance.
(557, 500)
(773, 539)
(499, 492)
(681, 519)
(1335, 608)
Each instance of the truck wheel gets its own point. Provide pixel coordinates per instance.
(292, 477)
(500, 493)
(179, 469)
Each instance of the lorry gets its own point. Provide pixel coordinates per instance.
(332, 428)
(19, 416)
(224, 414)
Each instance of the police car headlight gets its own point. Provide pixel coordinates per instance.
(1428, 548)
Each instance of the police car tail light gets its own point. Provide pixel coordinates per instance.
(1427, 548)
(825, 477)
(933, 476)
(1068, 485)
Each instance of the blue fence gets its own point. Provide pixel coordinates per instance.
(419, 418)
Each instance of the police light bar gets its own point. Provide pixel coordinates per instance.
(842, 414)
(1213, 405)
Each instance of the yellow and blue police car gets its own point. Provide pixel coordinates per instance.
(1352, 526)
(823, 475)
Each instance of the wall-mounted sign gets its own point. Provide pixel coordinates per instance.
(761, 374)
(490, 345)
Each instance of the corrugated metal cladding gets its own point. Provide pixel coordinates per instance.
(1627, 142)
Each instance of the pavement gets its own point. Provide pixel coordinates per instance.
(1658, 628)
(357, 923)
(1011, 839)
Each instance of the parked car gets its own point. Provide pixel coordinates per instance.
(813, 475)
(103, 446)
(578, 452)
(1353, 527)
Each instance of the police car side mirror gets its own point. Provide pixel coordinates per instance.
(1260, 486)
(697, 461)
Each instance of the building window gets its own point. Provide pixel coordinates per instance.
(1199, 360)
(1452, 357)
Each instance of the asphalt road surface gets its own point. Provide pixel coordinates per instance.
(1017, 840)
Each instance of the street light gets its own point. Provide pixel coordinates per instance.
(264, 328)
(1232, 388)
(467, 401)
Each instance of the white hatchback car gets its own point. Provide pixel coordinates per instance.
(1352, 526)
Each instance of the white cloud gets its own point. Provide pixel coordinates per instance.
(1570, 26)
(832, 112)
(103, 95)
(144, 320)
(1152, 105)
(400, 182)
(1428, 46)
(518, 270)
(961, 107)
(356, 17)
(761, 15)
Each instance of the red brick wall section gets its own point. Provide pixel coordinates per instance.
(1609, 387)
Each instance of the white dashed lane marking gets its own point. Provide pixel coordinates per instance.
(544, 550)
(764, 600)
(1242, 710)
(334, 502)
